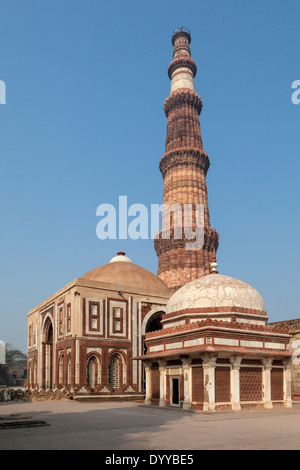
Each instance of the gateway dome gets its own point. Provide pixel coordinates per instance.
(121, 271)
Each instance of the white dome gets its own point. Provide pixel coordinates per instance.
(215, 291)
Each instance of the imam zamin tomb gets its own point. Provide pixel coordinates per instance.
(187, 337)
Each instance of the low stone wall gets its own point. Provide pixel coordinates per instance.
(5, 394)
(49, 394)
(11, 394)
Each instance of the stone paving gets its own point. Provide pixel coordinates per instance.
(132, 426)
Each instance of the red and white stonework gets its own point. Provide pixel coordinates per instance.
(83, 337)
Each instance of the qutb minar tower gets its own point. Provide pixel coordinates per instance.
(184, 167)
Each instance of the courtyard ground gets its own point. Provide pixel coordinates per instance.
(132, 426)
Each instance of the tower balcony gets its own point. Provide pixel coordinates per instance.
(182, 31)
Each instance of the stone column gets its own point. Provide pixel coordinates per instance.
(209, 365)
(235, 382)
(76, 362)
(287, 384)
(40, 356)
(186, 362)
(266, 376)
(162, 382)
(47, 365)
(147, 366)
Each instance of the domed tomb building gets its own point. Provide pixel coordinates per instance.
(216, 351)
(84, 336)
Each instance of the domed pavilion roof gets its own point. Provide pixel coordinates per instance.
(215, 292)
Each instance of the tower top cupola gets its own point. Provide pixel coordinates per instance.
(182, 69)
(181, 32)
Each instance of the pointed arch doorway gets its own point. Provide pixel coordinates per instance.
(152, 322)
(47, 379)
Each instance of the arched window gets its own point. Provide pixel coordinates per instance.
(154, 322)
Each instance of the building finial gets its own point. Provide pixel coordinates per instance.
(214, 265)
(121, 256)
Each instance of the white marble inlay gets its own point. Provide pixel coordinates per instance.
(194, 342)
(228, 342)
(275, 346)
(251, 344)
(174, 345)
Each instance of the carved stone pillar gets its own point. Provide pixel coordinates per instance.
(266, 376)
(235, 382)
(186, 363)
(162, 382)
(148, 396)
(287, 384)
(209, 366)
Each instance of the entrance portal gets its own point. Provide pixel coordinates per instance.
(175, 391)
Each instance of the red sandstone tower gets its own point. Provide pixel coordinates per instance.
(184, 167)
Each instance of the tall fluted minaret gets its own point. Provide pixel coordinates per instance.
(184, 166)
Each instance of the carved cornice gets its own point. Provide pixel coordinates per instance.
(180, 62)
(183, 96)
(163, 245)
(217, 323)
(206, 310)
(184, 156)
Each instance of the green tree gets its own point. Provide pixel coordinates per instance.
(15, 358)
(16, 364)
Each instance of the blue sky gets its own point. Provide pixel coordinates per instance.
(83, 124)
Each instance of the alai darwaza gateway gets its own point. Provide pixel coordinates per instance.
(187, 337)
